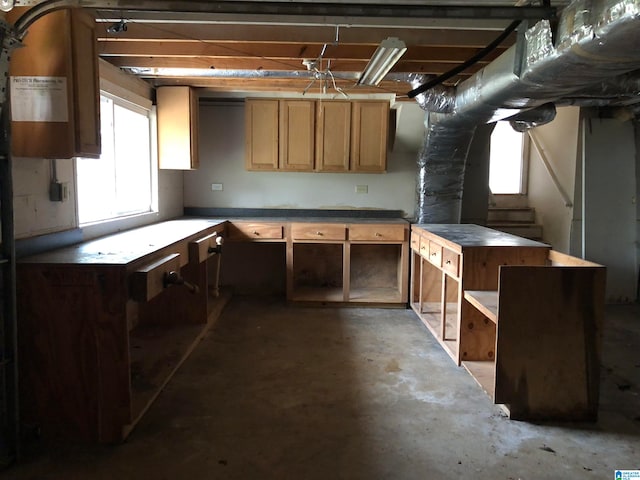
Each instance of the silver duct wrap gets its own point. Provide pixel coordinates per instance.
(439, 99)
(441, 166)
(598, 43)
(533, 118)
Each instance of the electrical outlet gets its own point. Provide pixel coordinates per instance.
(362, 188)
(216, 187)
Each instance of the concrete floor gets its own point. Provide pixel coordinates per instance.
(286, 392)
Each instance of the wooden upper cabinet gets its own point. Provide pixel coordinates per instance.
(261, 134)
(316, 135)
(369, 136)
(333, 134)
(55, 87)
(177, 128)
(297, 135)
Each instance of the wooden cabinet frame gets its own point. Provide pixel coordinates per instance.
(60, 45)
(528, 319)
(104, 332)
(177, 128)
(316, 135)
(326, 264)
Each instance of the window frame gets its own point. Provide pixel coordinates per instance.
(524, 164)
(144, 107)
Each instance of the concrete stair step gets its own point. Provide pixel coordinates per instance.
(511, 215)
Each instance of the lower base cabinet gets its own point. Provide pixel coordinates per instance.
(105, 324)
(523, 320)
(352, 263)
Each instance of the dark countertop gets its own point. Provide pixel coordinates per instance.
(468, 235)
(292, 213)
(125, 247)
(344, 220)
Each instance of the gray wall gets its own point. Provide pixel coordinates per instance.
(559, 142)
(611, 215)
(222, 161)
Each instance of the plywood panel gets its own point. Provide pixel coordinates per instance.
(76, 345)
(480, 265)
(477, 335)
(557, 375)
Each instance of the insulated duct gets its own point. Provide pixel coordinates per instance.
(535, 117)
(596, 42)
(440, 99)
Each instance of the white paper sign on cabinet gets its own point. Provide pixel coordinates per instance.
(39, 99)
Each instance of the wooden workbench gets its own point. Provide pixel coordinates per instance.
(101, 331)
(524, 321)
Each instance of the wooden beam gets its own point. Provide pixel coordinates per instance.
(279, 50)
(434, 68)
(282, 85)
(295, 35)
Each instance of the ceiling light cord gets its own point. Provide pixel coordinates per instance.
(463, 66)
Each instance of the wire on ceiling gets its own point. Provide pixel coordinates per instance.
(466, 64)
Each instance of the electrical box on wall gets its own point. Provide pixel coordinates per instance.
(58, 191)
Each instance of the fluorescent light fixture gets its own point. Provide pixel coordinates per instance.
(383, 60)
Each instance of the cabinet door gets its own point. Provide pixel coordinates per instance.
(333, 136)
(177, 128)
(59, 56)
(86, 83)
(370, 124)
(297, 135)
(261, 134)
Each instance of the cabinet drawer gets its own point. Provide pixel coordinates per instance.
(149, 281)
(377, 233)
(415, 242)
(450, 262)
(435, 253)
(318, 231)
(203, 248)
(424, 247)
(255, 231)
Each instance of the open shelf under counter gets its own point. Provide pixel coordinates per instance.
(430, 313)
(318, 294)
(118, 314)
(365, 258)
(375, 295)
(486, 301)
(157, 351)
(530, 319)
(483, 372)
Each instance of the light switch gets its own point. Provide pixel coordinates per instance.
(216, 187)
(362, 188)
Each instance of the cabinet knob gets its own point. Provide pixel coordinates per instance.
(448, 262)
(378, 234)
(319, 233)
(256, 233)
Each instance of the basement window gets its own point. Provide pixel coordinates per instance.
(507, 167)
(121, 182)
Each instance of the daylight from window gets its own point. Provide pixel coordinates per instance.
(119, 183)
(505, 164)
